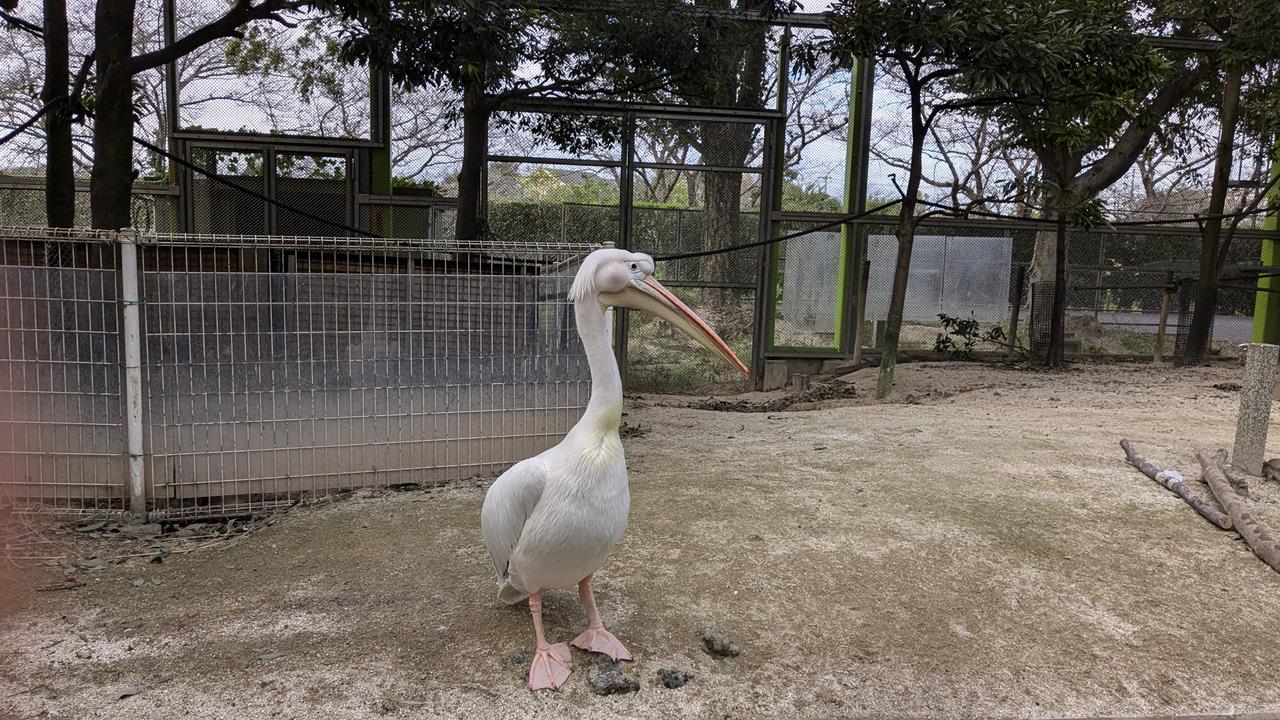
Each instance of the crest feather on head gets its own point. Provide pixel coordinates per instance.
(584, 283)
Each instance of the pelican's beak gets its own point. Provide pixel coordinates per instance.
(649, 295)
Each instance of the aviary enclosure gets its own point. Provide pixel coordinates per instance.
(254, 430)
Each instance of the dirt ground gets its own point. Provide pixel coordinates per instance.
(976, 548)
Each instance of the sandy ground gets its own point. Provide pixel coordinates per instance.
(978, 551)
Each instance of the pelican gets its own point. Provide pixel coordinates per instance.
(551, 521)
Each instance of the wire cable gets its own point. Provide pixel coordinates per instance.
(780, 238)
(223, 181)
(29, 122)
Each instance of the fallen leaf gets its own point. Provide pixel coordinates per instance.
(128, 691)
(268, 657)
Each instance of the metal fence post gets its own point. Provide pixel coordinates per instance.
(129, 299)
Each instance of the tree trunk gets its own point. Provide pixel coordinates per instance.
(112, 178)
(901, 274)
(739, 82)
(59, 174)
(1211, 230)
(475, 145)
(1043, 257)
(906, 239)
(1055, 353)
(721, 224)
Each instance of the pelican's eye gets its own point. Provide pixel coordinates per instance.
(635, 266)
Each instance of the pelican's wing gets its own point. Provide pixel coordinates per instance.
(507, 506)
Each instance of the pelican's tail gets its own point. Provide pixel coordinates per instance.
(511, 594)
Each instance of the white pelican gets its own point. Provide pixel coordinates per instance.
(551, 521)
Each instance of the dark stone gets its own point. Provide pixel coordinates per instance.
(716, 644)
(673, 678)
(520, 658)
(609, 678)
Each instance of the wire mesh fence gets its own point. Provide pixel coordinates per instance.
(61, 420)
(280, 368)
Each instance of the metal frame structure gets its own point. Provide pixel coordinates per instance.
(270, 149)
(369, 171)
(628, 163)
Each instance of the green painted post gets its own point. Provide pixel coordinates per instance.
(852, 253)
(1266, 307)
(380, 157)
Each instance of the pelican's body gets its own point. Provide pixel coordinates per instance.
(552, 520)
(575, 502)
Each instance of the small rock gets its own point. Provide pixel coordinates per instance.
(128, 691)
(520, 658)
(139, 582)
(141, 531)
(190, 530)
(716, 644)
(673, 678)
(609, 678)
(1271, 469)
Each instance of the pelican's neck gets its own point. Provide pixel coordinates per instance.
(604, 410)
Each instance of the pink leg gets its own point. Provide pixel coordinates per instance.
(595, 638)
(551, 663)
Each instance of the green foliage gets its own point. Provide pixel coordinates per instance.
(490, 46)
(960, 336)
(408, 183)
(809, 198)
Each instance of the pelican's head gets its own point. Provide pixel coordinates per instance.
(618, 278)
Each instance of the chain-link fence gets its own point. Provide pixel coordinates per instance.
(278, 368)
(720, 287)
(1116, 285)
(154, 207)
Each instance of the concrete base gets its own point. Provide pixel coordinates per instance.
(775, 375)
(781, 373)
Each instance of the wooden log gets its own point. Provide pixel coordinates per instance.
(1253, 532)
(1172, 480)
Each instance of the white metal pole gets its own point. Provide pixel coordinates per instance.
(128, 240)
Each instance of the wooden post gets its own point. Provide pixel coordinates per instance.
(1257, 392)
(1164, 320)
(1172, 480)
(860, 314)
(1016, 310)
(1253, 532)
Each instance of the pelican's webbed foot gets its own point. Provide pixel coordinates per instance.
(550, 667)
(600, 640)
